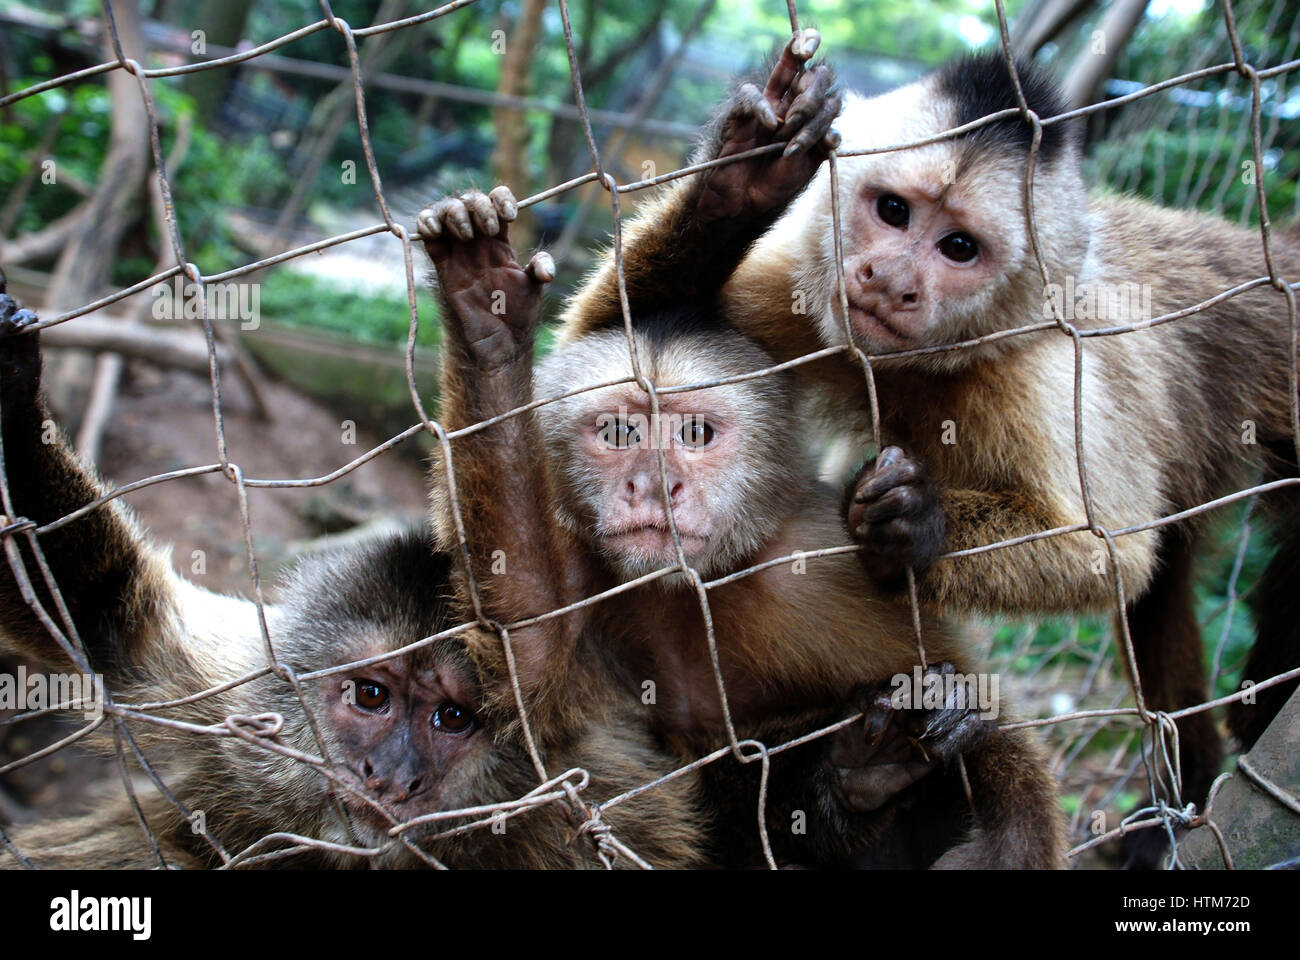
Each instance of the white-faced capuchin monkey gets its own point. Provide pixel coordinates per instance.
(427, 731)
(936, 251)
(569, 497)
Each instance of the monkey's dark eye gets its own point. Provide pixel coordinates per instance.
(371, 695)
(453, 718)
(696, 433)
(620, 434)
(959, 247)
(893, 209)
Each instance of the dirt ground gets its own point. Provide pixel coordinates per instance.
(163, 421)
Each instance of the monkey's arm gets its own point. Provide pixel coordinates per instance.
(685, 244)
(1018, 820)
(899, 517)
(492, 306)
(116, 589)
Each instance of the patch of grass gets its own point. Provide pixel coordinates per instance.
(298, 300)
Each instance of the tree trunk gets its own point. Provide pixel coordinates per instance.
(85, 265)
(509, 163)
(222, 22)
(1092, 66)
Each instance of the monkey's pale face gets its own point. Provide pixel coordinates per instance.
(733, 456)
(401, 736)
(935, 243)
(911, 252)
(700, 446)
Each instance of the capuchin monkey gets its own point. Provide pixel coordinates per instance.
(564, 503)
(936, 251)
(428, 731)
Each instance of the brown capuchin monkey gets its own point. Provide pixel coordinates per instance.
(936, 251)
(428, 731)
(566, 502)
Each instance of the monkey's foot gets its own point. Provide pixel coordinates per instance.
(894, 514)
(898, 746)
(797, 107)
(494, 304)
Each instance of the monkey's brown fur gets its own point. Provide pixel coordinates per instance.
(156, 637)
(1165, 409)
(787, 642)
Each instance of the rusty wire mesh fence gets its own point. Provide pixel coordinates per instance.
(566, 788)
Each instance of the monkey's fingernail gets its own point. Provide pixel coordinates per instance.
(543, 267)
(791, 148)
(505, 202)
(807, 45)
(832, 140)
(428, 225)
(888, 457)
(767, 116)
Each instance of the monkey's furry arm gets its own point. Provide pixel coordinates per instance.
(491, 311)
(684, 245)
(116, 589)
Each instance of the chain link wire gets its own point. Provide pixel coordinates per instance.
(1157, 728)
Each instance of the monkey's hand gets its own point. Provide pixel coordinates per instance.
(898, 746)
(893, 512)
(798, 105)
(493, 303)
(20, 354)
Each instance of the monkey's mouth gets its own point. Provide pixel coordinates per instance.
(653, 538)
(876, 329)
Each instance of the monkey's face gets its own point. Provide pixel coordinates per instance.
(934, 239)
(916, 257)
(403, 734)
(728, 453)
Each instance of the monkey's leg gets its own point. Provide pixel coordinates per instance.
(1170, 662)
(1275, 603)
(112, 584)
(1018, 820)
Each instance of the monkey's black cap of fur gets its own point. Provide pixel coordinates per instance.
(981, 84)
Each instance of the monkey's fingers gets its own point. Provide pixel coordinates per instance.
(805, 43)
(801, 46)
(951, 733)
(811, 112)
(447, 217)
(541, 268)
(750, 103)
(13, 318)
(504, 200)
(428, 223)
(868, 788)
(484, 213)
(887, 476)
(891, 504)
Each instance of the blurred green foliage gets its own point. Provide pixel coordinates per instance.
(301, 300)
